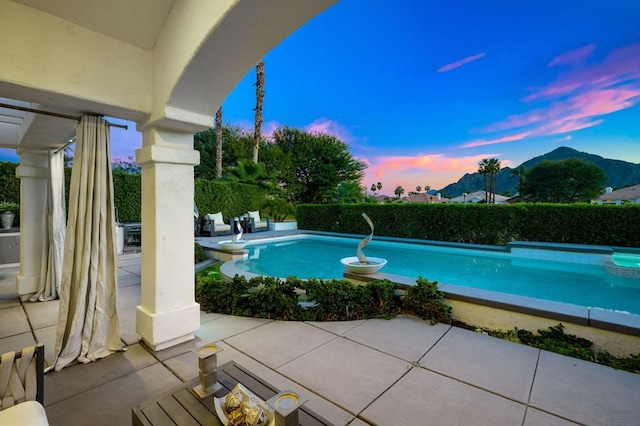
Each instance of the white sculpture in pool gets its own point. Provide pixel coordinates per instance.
(236, 242)
(360, 264)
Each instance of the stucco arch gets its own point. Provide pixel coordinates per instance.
(195, 71)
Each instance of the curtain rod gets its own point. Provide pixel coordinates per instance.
(55, 114)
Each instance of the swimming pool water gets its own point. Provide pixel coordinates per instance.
(579, 284)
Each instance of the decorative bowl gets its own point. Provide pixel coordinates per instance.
(247, 405)
(229, 245)
(353, 265)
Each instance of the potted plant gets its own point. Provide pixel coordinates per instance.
(8, 210)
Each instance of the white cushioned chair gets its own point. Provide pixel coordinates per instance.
(22, 387)
(257, 224)
(213, 224)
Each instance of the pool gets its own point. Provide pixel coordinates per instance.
(584, 281)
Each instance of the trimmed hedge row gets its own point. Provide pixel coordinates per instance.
(231, 198)
(482, 223)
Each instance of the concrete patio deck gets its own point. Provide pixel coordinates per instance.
(387, 372)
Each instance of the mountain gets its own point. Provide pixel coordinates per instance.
(619, 173)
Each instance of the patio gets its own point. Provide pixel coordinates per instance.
(401, 371)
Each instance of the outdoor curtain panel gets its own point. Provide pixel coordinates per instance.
(54, 231)
(88, 326)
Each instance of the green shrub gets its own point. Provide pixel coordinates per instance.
(427, 301)
(231, 198)
(199, 254)
(332, 300)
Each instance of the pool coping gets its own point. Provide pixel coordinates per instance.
(622, 322)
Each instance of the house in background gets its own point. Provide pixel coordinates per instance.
(628, 195)
(425, 198)
(477, 197)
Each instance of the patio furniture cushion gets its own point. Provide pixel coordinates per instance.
(255, 215)
(216, 218)
(29, 413)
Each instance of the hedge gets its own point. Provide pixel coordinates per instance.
(482, 223)
(232, 198)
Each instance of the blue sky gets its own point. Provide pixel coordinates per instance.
(422, 90)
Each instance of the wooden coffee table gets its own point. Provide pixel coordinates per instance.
(181, 406)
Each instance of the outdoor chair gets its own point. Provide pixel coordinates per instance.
(213, 224)
(22, 387)
(257, 224)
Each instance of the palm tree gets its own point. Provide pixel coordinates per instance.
(219, 143)
(521, 173)
(418, 189)
(379, 186)
(399, 191)
(493, 168)
(373, 188)
(483, 169)
(427, 188)
(258, 109)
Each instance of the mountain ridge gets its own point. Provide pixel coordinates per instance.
(619, 173)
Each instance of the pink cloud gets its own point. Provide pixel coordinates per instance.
(573, 57)
(435, 170)
(330, 127)
(461, 62)
(577, 99)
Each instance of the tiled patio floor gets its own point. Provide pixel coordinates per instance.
(397, 372)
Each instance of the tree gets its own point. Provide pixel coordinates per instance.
(493, 167)
(308, 165)
(418, 189)
(427, 188)
(398, 191)
(520, 172)
(483, 169)
(259, 97)
(373, 188)
(219, 143)
(249, 172)
(379, 186)
(565, 181)
(345, 192)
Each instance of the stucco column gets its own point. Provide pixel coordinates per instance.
(33, 173)
(168, 314)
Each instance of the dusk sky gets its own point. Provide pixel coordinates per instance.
(423, 90)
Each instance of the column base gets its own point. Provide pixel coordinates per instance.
(27, 285)
(163, 330)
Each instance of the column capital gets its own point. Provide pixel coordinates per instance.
(155, 154)
(31, 172)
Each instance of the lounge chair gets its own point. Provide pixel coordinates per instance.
(213, 224)
(22, 395)
(257, 224)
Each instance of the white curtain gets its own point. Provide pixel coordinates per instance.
(54, 231)
(88, 326)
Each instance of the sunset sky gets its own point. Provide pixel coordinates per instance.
(423, 90)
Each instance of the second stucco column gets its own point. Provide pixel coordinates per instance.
(33, 174)
(168, 313)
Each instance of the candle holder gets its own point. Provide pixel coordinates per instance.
(208, 375)
(286, 405)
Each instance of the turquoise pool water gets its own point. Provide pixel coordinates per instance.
(578, 284)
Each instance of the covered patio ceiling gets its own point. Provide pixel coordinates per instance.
(136, 23)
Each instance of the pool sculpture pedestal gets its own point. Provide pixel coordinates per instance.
(360, 264)
(236, 243)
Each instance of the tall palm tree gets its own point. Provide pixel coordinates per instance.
(483, 169)
(259, 97)
(521, 173)
(379, 186)
(399, 191)
(373, 188)
(493, 168)
(418, 189)
(219, 143)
